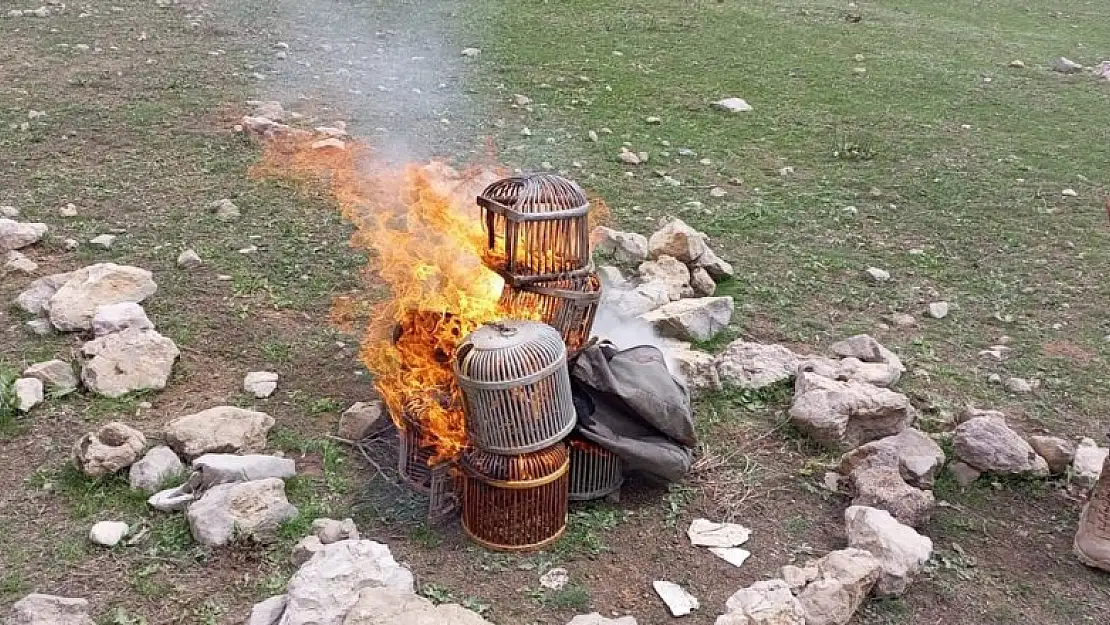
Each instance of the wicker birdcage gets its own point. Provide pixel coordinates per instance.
(594, 471)
(416, 470)
(515, 387)
(567, 305)
(537, 228)
(515, 503)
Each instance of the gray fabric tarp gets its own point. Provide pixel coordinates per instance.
(630, 404)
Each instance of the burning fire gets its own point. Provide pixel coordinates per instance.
(420, 224)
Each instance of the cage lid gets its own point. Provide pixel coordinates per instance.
(509, 353)
(537, 193)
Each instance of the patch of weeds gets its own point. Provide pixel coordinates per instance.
(8, 401)
(675, 502)
(12, 583)
(209, 613)
(889, 610)
(585, 527)
(120, 616)
(272, 584)
(476, 605)
(143, 581)
(851, 146)
(100, 407)
(437, 594)
(796, 525)
(88, 496)
(723, 405)
(331, 455)
(71, 550)
(277, 352)
(425, 536)
(325, 405)
(170, 536)
(570, 597)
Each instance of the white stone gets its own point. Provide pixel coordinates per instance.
(360, 420)
(767, 602)
(69, 210)
(696, 319)
(678, 601)
(696, 368)
(389, 606)
(1088, 462)
(1057, 452)
(128, 361)
(625, 247)
(103, 241)
(108, 533)
(223, 429)
(595, 618)
(988, 444)
(35, 299)
(1065, 65)
(755, 365)
(158, 465)
(717, 267)
(19, 263)
(521, 99)
(56, 375)
(172, 499)
(706, 533)
(797, 577)
(901, 551)
(611, 277)
(917, 457)
(1069, 193)
(331, 143)
(28, 393)
(1017, 64)
(845, 578)
(112, 318)
(261, 384)
(232, 468)
(733, 555)
(678, 240)
(878, 275)
(71, 244)
(668, 272)
(9, 212)
(844, 415)
(636, 300)
(36, 609)
(332, 531)
(304, 550)
(555, 579)
(628, 157)
(938, 310)
(224, 511)
(189, 259)
(40, 327)
(471, 51)
(225, 210)
(268, 612)
(112, 447)
(903, 320)
(75, 302)
(327, 586)
(1019, 386)
(733, 105)
(16, 235)
(701, 282)
(270, 109)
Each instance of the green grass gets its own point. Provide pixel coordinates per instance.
(9, 410)
(586, 529)
(87, 496)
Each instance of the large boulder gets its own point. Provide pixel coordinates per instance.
(35, 299)
(679, 240)
(36, 609)
(668, 272)
(326, 587)
(696, 368)
(56, 375)
(900, 550)
(634, 300)
(16, 235)
(119, 317)
(697, 319)
(715, 266)
(878, 483)
(918, 457)
(113, 447)
(755, 365)
(156, 467)
(225, 511)
(988, 444)
(223, 429)
(845, 415)
(1057, 452)
(768, 602)
(845, 578)
(389, 606)
(624, 247)
(128, 361)
(73, 305)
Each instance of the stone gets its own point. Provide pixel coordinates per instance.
(223, 429)
(36, 609)
(989, 445)
(1017, 64)
(1019, 386)
(218, 468)
(851, 369)
(103, 241)
(1087, 465)
(154, 469)
(72, 307)
(697, 369)
(678, 240)
(755, 365)
(696, 319)
(261, 384)
(903, 320)
(624, 247)
(595, 618)
(28, 393)
(35, 299)
(119, 317)
(270, 109)
(332, 531)
(128, 361)
(19, 263)
(113, 447)
(267, 612)
(938, 310)
(471, 51)
(637, 300)
(69, 210)
(611, 277)
(733, 555)
(901, 551)
(360, 420)
(768, 602)
(327, 587)
(1057, 452)
(964, 474)
(668, 272)
(796, 577)
(845, 578)
(732, 105)
(305, 549)
(629, 157)
(329, 143)
(706, 533)
(10, 212)
(172, 499)
(16, 235)
(918, 458)
(555, 579)
(864, 348)
(189, 259)
(108, 533)
(678, 601)
(717, 268)
(388, 606)
(878, 275)
(226, 511)
(702, 283)
(39, 327)
(879, 484)
(56, 375)
(845, 415)
(71, 244)
(225, 210)
(1065, 65)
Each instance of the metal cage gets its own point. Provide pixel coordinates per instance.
(515, 386)
(515, 503)
(537, 228)
(567, 305)
(594, 471)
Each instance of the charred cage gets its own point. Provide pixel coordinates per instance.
(595, 472)
(568, 305)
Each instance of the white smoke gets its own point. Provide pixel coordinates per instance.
(625, 332)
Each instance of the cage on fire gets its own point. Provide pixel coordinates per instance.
(568, 305)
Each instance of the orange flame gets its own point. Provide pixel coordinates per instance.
(420, 224)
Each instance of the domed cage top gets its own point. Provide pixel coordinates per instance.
(537, 228)
(567, 305)
(515, 386)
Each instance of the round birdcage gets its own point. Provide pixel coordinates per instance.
(515, 503)
(537, 228)
(515, 386)
(567, 305)
(594, 471)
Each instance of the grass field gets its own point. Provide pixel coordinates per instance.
(937, 162)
